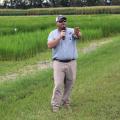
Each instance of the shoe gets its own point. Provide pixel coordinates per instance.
(55, 109)
(65, 104)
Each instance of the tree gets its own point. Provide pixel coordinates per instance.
(92, 2)
(64, 3)
(116, 2)
(107, 2)
(53, 2)
(23, 3)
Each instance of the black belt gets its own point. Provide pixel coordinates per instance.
(65, 61)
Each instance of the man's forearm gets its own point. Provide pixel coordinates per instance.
(54, 43)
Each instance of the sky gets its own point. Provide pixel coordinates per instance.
(1, 1)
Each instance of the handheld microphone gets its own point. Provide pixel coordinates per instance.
(64, 35)
(63, 30)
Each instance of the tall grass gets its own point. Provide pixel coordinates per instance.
(63, 10)
(24, 24)
(23, 45)
(23, 37)
(96, 26)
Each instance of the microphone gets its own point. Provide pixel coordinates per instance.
(63, 30)
(64, 35)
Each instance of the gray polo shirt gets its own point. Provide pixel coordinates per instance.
(66, 49)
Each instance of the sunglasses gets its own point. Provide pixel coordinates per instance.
(62, 21)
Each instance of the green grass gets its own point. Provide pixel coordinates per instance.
(62, 10)
(23, 45)
(95, 96)
(24, 24)
(13, 66)
(30, 37)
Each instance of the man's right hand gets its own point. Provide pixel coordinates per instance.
(62, 34)
(53, 43)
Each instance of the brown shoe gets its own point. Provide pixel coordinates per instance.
(65, 104)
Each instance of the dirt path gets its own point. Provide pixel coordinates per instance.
(26, 70)
(93, 46)
(47, 64)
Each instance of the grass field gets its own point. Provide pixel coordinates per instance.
(95, 96)
(96, 93)
(27, 36)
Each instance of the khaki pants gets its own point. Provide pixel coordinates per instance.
(64, 77)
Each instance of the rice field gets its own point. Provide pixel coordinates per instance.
(25, 36)
(62, 10)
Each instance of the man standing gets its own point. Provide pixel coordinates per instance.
(64, 53)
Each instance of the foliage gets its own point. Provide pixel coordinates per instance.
(59, 10)
(27, 36)
(24, 4)
(95, 95)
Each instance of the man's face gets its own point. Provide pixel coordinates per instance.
(61, 24)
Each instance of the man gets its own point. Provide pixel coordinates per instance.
(64, 53)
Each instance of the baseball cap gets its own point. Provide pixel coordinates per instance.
(60, 17)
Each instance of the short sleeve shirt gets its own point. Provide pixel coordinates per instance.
(66, 49)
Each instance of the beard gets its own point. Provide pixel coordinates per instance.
(63, 27)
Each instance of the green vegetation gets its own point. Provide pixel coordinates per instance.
(8, 24)
(23, 45)
(13, 66)
(95, 95)
(24, 37)
(63, 10)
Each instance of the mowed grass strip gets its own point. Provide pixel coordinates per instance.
(95, 96)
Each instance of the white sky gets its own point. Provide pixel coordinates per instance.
(1, 1)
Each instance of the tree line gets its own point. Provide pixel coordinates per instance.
(25, 4)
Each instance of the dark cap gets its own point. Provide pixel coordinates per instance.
(60, 17)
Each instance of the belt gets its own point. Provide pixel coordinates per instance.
(64, 61)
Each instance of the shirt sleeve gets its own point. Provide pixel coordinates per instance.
(72, 30)
(51, 36)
